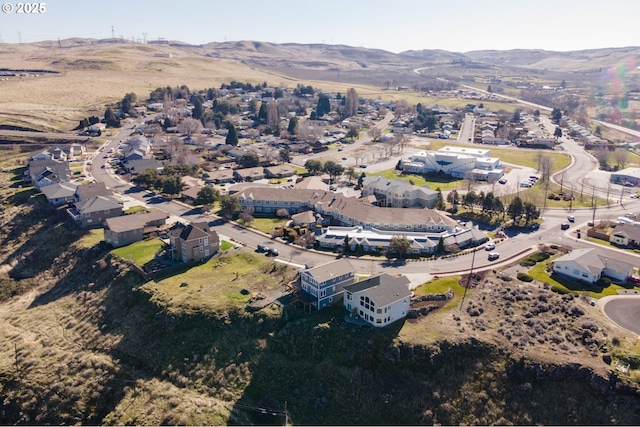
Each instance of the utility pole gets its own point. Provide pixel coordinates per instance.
(593, 201)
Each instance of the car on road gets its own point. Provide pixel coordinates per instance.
(493, 256)
(564, 226)
(90, 162)
(363, 166)
(630, 215)
(273, 252)
(571, 218)
(344, 158)
(490, 246)
(261, 248)
(503, 181)
(634, 196)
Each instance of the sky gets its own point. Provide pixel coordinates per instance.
(392, 25)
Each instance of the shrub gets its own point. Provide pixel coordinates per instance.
(524, 277)
(527, 262)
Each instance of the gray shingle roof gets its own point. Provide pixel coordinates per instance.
(384, 288)
(328, 271)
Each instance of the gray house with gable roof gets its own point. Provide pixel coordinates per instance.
(379, 300)
(325, 283)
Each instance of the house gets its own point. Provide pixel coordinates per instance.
(280, 171)
(379, 300)
(127, 229)
(308, 219)
(93, 211)
(191, 193)
(627, 177)
(136, 166)
(46, 172)
(589, 265)
(193, 242)
(222, 176)
(625, 235)
(325, 283)
(60, 193)
(93, 189)
(249, 174)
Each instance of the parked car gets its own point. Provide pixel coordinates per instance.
(503, 181)
(535, 226)
(490, 246)
(564, 225)
(571, 218)
(493, 256)
(630, 215)
(273, 251)
(634, 196)
(261, 248)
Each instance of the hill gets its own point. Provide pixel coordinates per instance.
(86, 74)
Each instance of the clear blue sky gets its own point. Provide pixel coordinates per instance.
(393, 25)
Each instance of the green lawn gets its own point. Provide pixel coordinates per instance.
(224, 245)
(136, 209)
(267, 225)
(140, 252)
(443, 182)
(299, 169)
(91, 238)
(562, 285)
(217, 284)
(442, 285)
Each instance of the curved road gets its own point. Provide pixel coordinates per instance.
(624, 311)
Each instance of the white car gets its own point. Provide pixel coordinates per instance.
(630, 215)
(493, 256)
(490, 246)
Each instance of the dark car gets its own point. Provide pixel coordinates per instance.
(535, 226)
(564, 226)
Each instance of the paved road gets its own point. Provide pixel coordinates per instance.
(624, 311)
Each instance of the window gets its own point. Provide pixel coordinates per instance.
(349, 296)
(330, 299)
(200, 241)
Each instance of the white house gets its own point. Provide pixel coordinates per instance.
(589, 265)
(325, 283)
(378, 300)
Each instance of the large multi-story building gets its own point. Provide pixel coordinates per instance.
(459, 162)
(398, 193)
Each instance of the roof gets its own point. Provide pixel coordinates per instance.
(59, 191)
(384, 289)
(337, 204)
(629, 231)
(98, 203)
(192, 192)
(197, 231)
(306, 217)
(124, 223)
(250, 172)
(87, 191)
(328, 271)
(279, 169)
(590, 259)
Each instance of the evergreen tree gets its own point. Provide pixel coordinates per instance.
(207, 196)
(324, 106)
(110, 118)
(293, 126)
(228, 206)
(515, 208)
(232, 135)
(262, 114)
(196, 113)
(440, 201)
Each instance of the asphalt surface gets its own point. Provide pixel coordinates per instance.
(624, 311)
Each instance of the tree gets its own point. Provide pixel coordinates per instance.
(515, 208)
(232, 135)
(110, 118)
(530, 212)
(273, 118)
(207, 196)
(621, 157)
(152, 130)
(127, 103)
(284, 155)
(351, 103)
(197, 111)
(556, 115)
(247, 215)
(557, 132)
(361, 179)
(172, 184)
(469, 200)
(352, 133)
(324, 105)
(249, 160)
(453, 198)
(313, 166)
(228, 206)
(439, 201)
(400, 246)
(516, 116)
(350, 172)
(293, 126)
(190, 126)
(489, 89)
(282, 213)
(333, 169)
(602, 154)
(440, 248)
(262, 114)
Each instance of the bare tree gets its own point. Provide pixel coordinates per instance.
(621, 157)
(152, 130)
(374, 133)
(602, 154)
(308, 133)
(545, 166)
(469, 178)
(352, 101)
(273, 118)
(190, 126)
